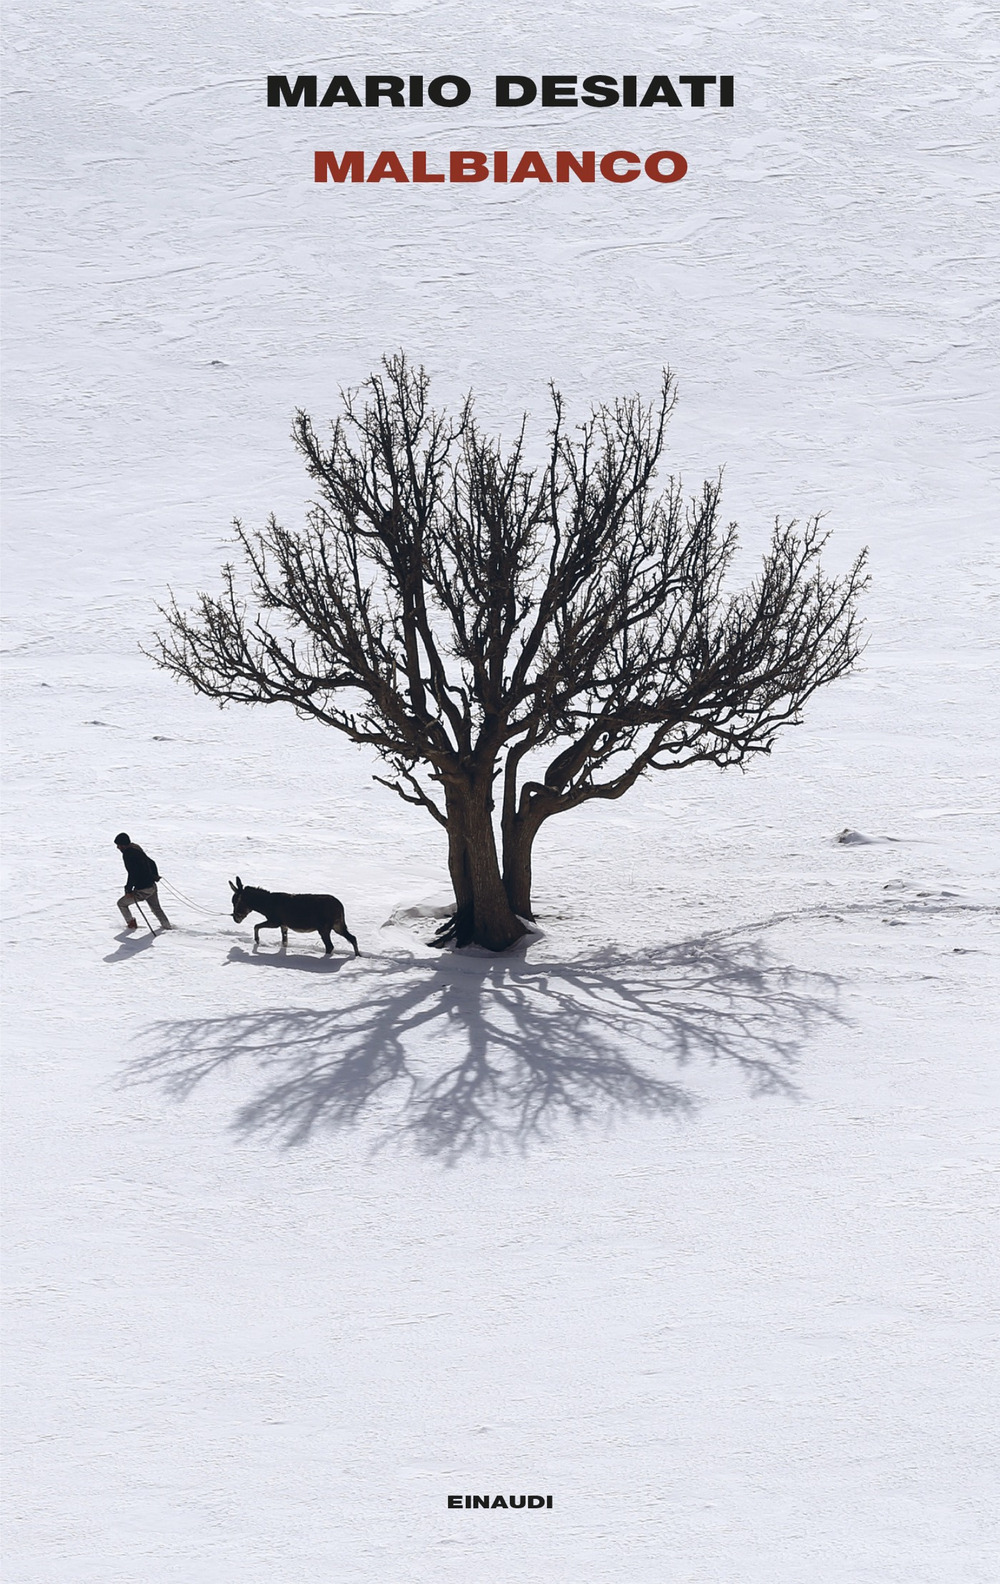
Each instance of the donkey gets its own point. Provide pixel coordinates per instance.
(287, 912)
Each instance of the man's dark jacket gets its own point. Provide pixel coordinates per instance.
(142, 871)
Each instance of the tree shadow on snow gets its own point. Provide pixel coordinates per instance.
(467, 1054)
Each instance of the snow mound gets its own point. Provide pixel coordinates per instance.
(432, 908)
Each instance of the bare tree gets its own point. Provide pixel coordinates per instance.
(474, 619)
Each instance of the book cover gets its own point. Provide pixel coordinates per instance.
(653, 1239)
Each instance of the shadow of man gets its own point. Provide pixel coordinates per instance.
(131, 946)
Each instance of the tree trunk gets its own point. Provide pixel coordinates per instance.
(518, 842)
(483, 915)
(459, 927)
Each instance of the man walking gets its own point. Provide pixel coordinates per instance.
(142, 877)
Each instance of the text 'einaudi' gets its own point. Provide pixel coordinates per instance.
(499, 1501)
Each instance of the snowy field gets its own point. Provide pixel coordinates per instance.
(685, 1212)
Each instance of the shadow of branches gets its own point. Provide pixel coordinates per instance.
(462, 1053)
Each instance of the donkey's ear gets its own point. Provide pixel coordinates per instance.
(239, 882)
(233, 888)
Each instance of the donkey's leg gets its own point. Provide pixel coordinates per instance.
(324, 935)
(284, 936)
(342, 929)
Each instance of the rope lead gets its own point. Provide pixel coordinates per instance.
(208, 912)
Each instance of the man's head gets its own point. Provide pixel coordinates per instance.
(122, 840)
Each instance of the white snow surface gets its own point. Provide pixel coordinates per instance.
(684, 1212)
